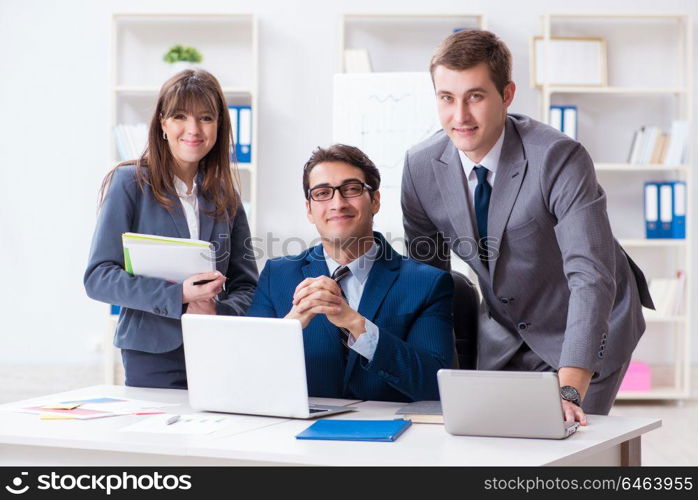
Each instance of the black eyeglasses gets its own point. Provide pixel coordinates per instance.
(347, 190)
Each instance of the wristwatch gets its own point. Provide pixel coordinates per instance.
(569, 393)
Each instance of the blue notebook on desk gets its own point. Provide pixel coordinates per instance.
(356, 430)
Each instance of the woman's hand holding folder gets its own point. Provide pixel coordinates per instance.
(205, 292)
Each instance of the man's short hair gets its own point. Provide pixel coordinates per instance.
(345, 154)
(468, 48)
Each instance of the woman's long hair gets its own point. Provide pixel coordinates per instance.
(189, 91)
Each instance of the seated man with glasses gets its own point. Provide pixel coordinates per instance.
(376, 325)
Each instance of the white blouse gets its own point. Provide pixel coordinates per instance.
(190, 203)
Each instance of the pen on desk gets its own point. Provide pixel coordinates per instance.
(172, 420)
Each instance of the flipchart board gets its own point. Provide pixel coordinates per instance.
(385, 114)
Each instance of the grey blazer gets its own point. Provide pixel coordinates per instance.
(557, 279)
(151, 308)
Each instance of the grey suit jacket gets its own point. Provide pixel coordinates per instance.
(557, 279)
(151, 307)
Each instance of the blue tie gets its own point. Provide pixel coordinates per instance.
(340, 273)
(483, 191)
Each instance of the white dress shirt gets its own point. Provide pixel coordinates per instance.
(190, 204)
(490, 162)
(353, 287)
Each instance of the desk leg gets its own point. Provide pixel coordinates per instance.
(631, 452)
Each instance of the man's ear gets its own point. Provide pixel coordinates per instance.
(309, 212)
(509, 92)
(376, 202)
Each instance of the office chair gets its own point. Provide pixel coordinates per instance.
(466, 304)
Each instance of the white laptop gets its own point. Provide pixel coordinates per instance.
(503, 404)
(245, 365)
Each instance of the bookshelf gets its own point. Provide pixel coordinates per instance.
(616, 90)
(648, 167)
(640, 242)
(607, 118)
(229, 45)
(400, 42)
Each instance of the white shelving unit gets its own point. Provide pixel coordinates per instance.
(400, 41)
(639, 242)
(650, 167)
(607, 118)
(229, 45)
(616, 90)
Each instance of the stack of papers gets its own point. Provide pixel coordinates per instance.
(87, 409)
(422, 412)
(172, 259)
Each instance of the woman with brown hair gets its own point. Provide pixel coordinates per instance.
(182, 186)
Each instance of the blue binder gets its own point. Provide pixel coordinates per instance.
(356, 430)
(666, 209)
(652, 229)
(555, 117)
(241, 122)
(564, 118)
(678, 201)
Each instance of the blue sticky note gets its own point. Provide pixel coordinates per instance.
(356, 430)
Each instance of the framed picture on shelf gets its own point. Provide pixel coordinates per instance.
(568, 61)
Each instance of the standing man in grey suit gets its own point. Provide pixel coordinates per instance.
(520, 203)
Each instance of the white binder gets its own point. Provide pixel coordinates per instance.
(172, 259)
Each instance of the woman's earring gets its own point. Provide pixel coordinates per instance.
(164, 135)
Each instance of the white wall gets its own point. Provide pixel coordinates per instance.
(53, 136)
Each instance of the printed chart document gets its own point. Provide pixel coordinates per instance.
(172, 259)
(198, 423)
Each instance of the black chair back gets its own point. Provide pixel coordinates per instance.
(466, 305)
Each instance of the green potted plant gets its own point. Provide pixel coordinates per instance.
(182, 58)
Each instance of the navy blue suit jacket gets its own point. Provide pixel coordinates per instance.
(410, 302)
(152, 307)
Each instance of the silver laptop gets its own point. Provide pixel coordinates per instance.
(503, 404)
(254, 366)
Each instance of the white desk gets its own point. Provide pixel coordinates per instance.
(27, 440)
